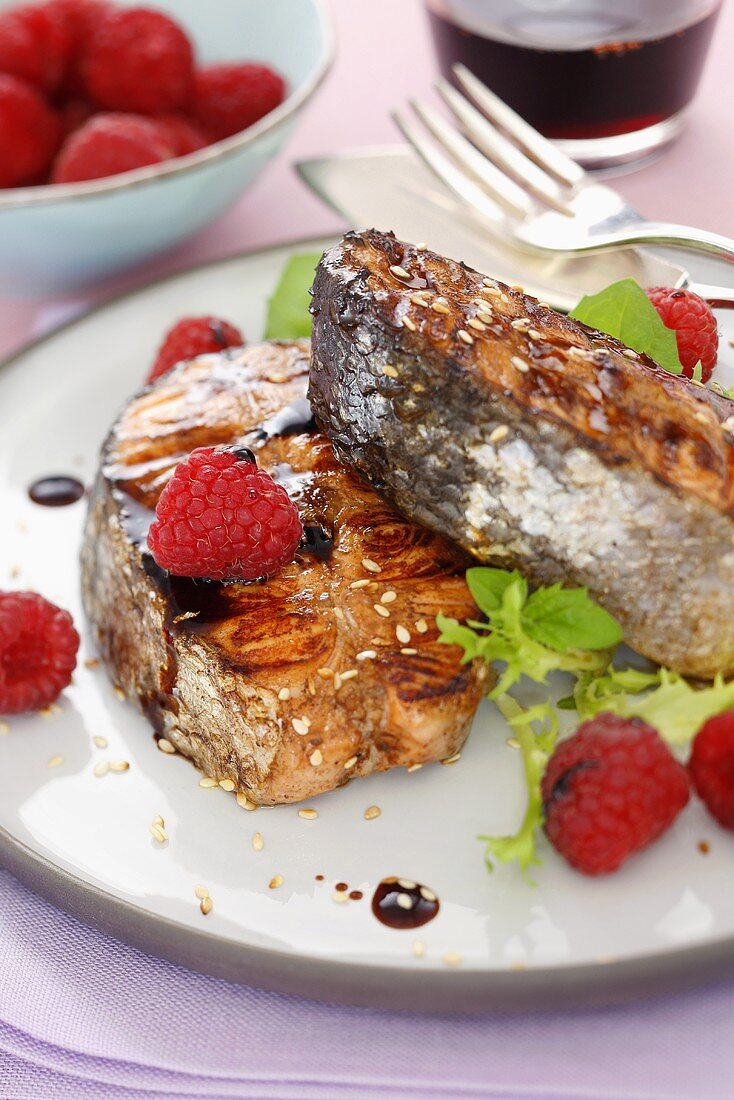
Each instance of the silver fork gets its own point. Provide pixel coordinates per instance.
(524, 188)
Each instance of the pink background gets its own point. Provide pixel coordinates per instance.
(385, 56)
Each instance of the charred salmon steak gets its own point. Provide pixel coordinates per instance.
(532, 441)
(291, 686)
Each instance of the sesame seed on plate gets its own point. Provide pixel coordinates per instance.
(452, 958)
(402, 634)
(119, 693)
(371, 566)
(421, 626)
(158, 832)
(414, 767)
(409, 324)
(164, 745)
(101, 769)
(284, 694)
(372, 812)
(419, 949)
(407, 883)
(339, 896)
(206, 905)
(316, 758)
(208, 782)
(4, 727)
(452, 759)
(308, 814)
(300, 725)
(381, 610)
(119, 766)
(91, 662)
(399, 272)
(201, 892)
(227, 784)
(520, 364)
(465, 336)
(390, 371)
(55, 761)
(366, 655)
(512, 743)
(426, 894)
(500, 432)
(257, 842)
(244, 801)
(405, 901)
(275, 882)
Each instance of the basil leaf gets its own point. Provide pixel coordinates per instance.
(288, 317)
(567, 618)
(488, 586)
(623, 310)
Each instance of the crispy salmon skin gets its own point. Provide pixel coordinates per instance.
(532, 441)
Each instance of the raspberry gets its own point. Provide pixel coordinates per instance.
(229, 98)
(38, 646)
(711, 767)
(107, 145)
(80, 19)
(29, 133)
(183, 135)
(221, 517)
(140, 61)
(694, 325)
(34, 46)
(192, 336)
(610, 790)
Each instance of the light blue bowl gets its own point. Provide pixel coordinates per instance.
(58, 238)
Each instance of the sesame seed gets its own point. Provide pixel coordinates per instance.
(366, 655)
(399, 272)
(421, 626)
(407, 883)
(405, 901)
(337, 681)
(300, 725)
(206, 905)
(381, 610)
(520, 965)
(630, 354)
(426, 894)
(410, 325)
(91, 662)
(534, 334)
(512, 743)
(452, 958)
(371, 566)
(308, 814)
(119, 693)
(522, 324)
(257, 842)
(325, 673)
(452, 759)
(407, 651)
(4, 726)
(207, 782)
(119, 766)
(421, 247)
(164, 745)
(520, 364)
(475, 324)
(419, 299)
(414, 767)
(485, 317)
(244, 802)
(275, 882)
(316, 758)
(372, 812)
(284, 695)
(390, 371)
(518, 288)
(362, 583)
(338, 613)
(465, 336)
(388, 597)
(201, 892)
(227, 784)
(340, 896)
(276, 378)
(55, 761)
(158, 832)
(402, 634)
(101, 769)
(350, 762)
(158, 820)
(728, 424)
(311, 685)
(500, 432)
(419, 949)
(349, 674)
(439, 305)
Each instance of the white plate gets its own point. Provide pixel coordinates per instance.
(666, 917)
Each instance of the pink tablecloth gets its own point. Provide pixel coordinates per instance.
(82, 1016)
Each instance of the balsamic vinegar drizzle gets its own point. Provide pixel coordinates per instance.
(402, 903)
(56, 491)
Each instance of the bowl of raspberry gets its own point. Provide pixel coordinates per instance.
(126, 128)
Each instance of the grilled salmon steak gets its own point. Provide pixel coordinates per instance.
(532, 441)
(291, 686)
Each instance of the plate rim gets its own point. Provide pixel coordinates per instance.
(464, 990)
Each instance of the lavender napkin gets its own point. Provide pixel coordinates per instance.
(85, 1018)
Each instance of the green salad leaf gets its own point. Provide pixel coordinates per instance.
(288, 317)
(623, 310)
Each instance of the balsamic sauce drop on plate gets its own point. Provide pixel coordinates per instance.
(56, 491)
(402, 903)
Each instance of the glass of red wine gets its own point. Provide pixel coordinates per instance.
(609, 80)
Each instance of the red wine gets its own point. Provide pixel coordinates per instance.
(582, 88)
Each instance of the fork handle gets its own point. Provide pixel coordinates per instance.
(666, 233)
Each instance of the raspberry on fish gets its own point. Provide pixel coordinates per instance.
(694, 324)
(192, 336)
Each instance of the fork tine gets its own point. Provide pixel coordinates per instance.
(499, 186)
(538, 148)
(500, 149)
(468, 191)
